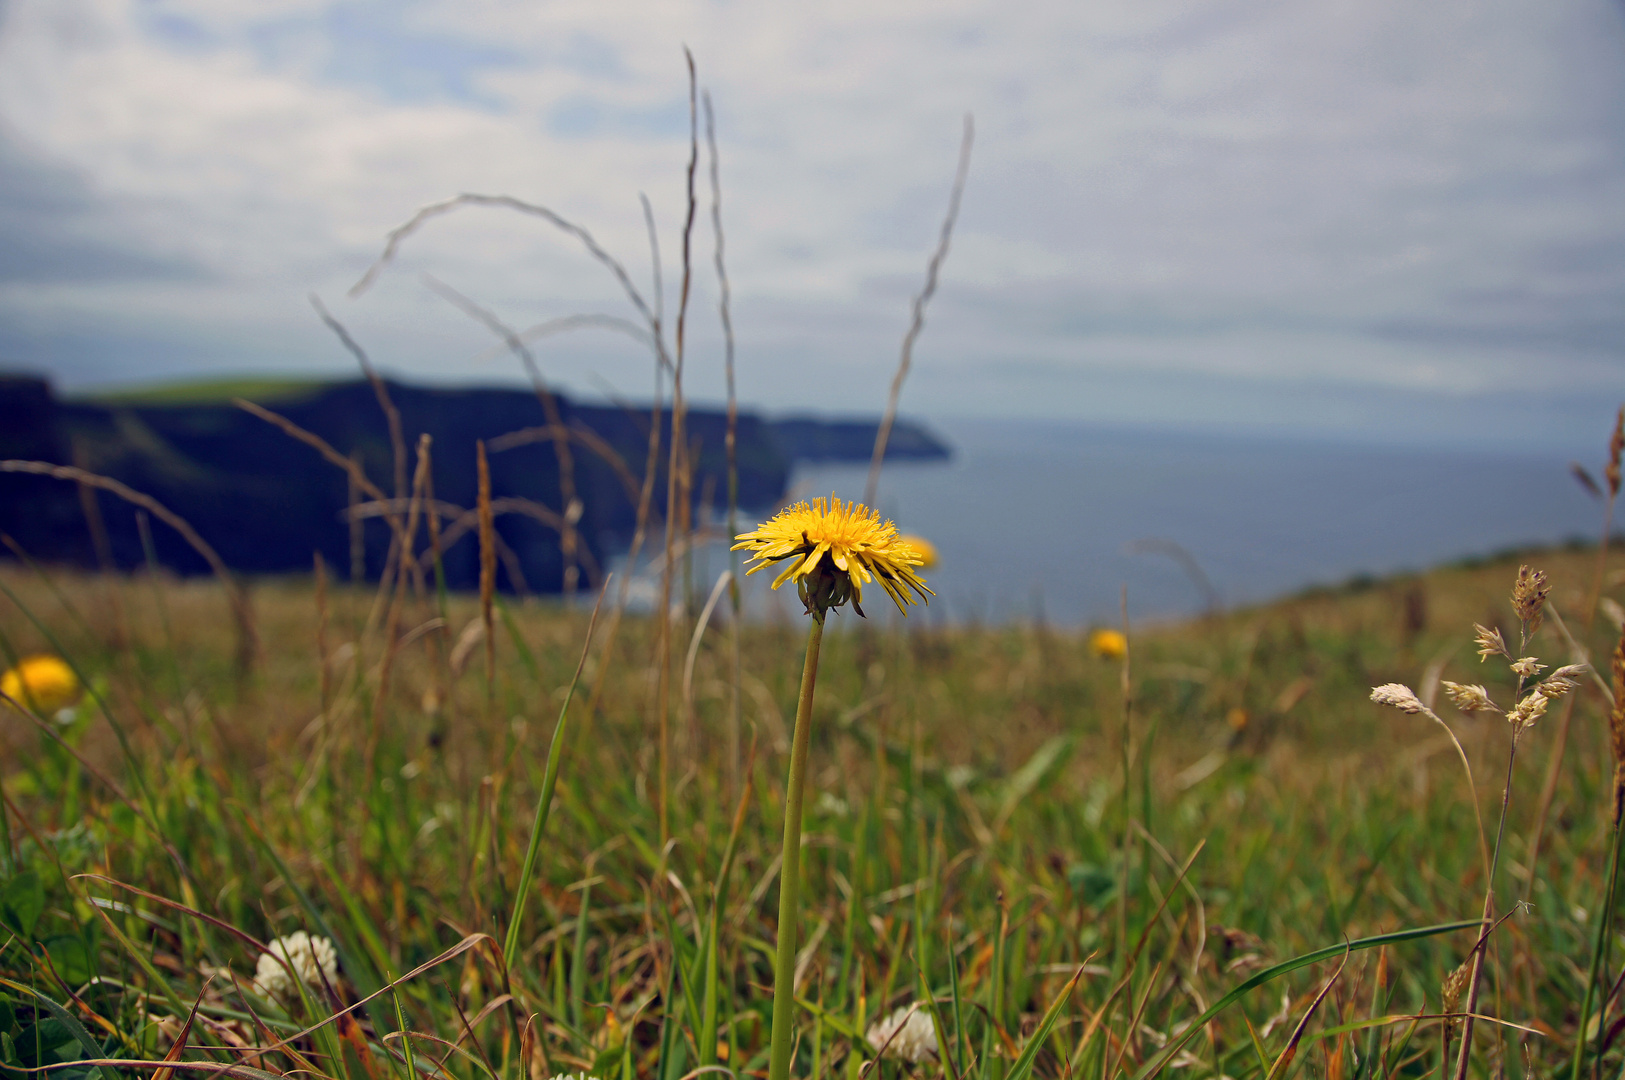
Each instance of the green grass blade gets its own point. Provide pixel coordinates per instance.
(62, 1016)
(555, 755)
(1029, 1053)
(1160, 1061)
(526, 657)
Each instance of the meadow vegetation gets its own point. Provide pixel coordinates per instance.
(1065, 876)
(297, 827)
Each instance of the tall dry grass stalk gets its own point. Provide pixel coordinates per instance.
(569, 537)
(324, 661)
(675, 469)
(1560, 741)
(358, 540)
(1528, 599)
(397, 602)
(241, 607)
(917, 312)
(90, 505)
(488, 577)
(730, 447)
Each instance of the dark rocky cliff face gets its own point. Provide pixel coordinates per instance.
(267, 502)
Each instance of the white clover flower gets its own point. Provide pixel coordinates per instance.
(907, 1033)
(574, 1076)
(312, 958)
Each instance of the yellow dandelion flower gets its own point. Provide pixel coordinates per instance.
(43, 683)
(833, 549)
(926, 549)
(1108, 644)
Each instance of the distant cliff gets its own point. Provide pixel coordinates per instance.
(266, 502)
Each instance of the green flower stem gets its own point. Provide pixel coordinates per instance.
(1604, 919)
(784, 966)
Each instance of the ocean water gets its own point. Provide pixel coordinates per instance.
(1056, 520)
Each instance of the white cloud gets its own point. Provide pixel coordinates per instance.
(1427, 198)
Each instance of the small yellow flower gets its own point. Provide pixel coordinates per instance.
(43, 683)
(926, 549)
(833, 549)
(1108, 644)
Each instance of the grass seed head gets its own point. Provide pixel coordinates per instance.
(1529, 598)
(1451, 989)
(1527, 667)
(1489, 642)
(1563, 680)
(1527, 711)
(1397, 696)
(1469, 698)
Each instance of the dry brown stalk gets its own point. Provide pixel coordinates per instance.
(583, 435)
(1284, 1062)
(674, 469)
(91, 506)
(358, 548)
(560, 324)
(1616, 728)
(568, 538)
(323, 447)
(392, 622)
(324, 666)
(690, 724)
(1616, 446)
(247, 636)
(917, 318)
(1611, 476)
(488, 573)
(392, 415)
(466, 521)
(398, 234)
(1560, 742)
(352, 466)
(442, 640)
(730, 443)
(639, 535)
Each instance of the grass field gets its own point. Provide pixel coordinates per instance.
(1064, 877)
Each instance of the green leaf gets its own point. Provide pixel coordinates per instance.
(22, 902)
(8, 1053)
(72, 958)
(91, 1048)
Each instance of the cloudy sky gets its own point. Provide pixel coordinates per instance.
(1366, 217)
